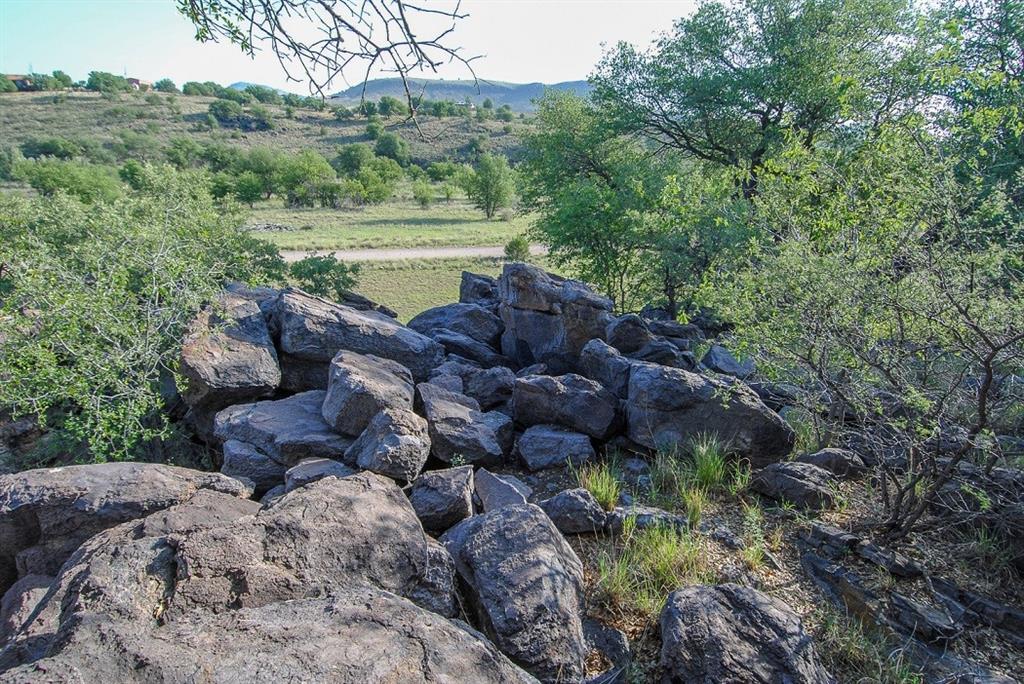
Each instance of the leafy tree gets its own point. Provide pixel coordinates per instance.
(504, 113)
(423, 193)
(9, 157)
(264, 94)
(374, 130)
(222, 157)
(87, 182)
(302, 175)
(391, 106)
(260, 118)
(324, 275)
(232, 95)
(97, 299)
(491, 185)
(56, 146)
(342, 113)
(7, 86)
(731, 83)
(165, 85)
(443, 170)
(351, 158)
(104, 82)
(392, 146)
(195, 88)
(226, 112)
(488, 104)
(367, 108)
(266, 164)
(183, 151)
(248, 188)
(62, 80)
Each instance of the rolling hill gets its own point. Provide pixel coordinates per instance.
(519, 96)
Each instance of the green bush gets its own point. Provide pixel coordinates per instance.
(165, 85)
(517, 249)
(7, 86)
(490, 186)
(264, 94)
(226, 112)
(352, 158)
(58, 147)
(324, 275)
(374, 129)
(96, 300)
(9, 157)
(87, 182)
(392, 146)
(248, 188)
(423, 193)
(260, 118)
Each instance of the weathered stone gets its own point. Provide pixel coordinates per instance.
(527, 585)
(628, 333)
(302, 375)
(570, 400)
(497, 491)
(395, 443)
(664, 353)
(674, 330)
(442, 498)
(643, 517)
(490, 387)
(924, 622)
(553, 446)
(841, 462)
(459, 430)
(575, 511)
(478, 289)
(309, 470)
(466, 347)
(605, 365)
(286, 429)
(20, 601)
(733, 634)
(244, 461)
(801, 484)
(668, 406)
(360, 387)
(316, 330)
(471, 320)
(548, 319)
(227, 357)
(721, 360)
(45, 514)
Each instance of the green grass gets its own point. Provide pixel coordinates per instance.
(599, 479)
(862, 656)
(398, 223)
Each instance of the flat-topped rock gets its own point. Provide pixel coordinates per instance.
(460, 431)
(360, 386)
(472, 320)
(553, 446)
(571, 401)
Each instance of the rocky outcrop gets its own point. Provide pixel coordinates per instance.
(801, 484)
(571, 401)
(548, 319)
(360, 387)
(667, 406)
(732, 634)
(286, 430)
(605, 365)
(46, 514)
(395, 443)
(310, 470)
(315, 330)
(471, 320)
(526, 585)
(460, 431)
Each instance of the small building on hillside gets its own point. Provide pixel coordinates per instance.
(139, 84)
(20, 81)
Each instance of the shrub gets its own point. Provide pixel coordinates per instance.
(248, 188)
(443, 170)
(374, 129)
(423, 193)
(58, 147)
(165, 85)
(87, 182)
(97, 301)
(260, 118)
(392, 146)
(490, 186)
(7, 86)
(301, 175)
(183, 151)
(352, 158)
(226, 112)
(105, 82)
(264, 94)
(517, 249)
(342, 113)
(324, 275)
(9, 157)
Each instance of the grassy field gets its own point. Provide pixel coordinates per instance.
(399, 222)
(88, 115)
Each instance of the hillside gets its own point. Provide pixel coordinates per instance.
(518, 96)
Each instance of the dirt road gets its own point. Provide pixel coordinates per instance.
(398, 254)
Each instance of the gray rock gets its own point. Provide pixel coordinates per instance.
(605, 365)
(466, 347)
(395, 443)
(45, 514)
(360, 387)
(675, 330)
(553, 446)
(721, 360)
(548, 319)
(497, 491)
(628, 333)
(729, 633)
(315, 329)
(244, 461)
(302, 375)
(643, 517)
(227, 357)
(927, 623)
(459, 430)
(478, 289)
(668, 406)
(286, 429)
(309, 470)
(452, 383)
(664, 353)
(841, 462)
(490, 387)
(570, 400)
(527, 586)
(471, 320)
(575, 511)
(442, 498)
(20, 602)
(273, 495)
(801, 484)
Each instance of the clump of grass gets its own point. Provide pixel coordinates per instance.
(862, 656)
(599, 479)
(694, 499)
(754, 551)
(739, 478)
(649, 564)
(708, 456)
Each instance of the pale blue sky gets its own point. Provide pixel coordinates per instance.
(521, 40)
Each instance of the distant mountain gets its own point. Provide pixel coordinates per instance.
(519, 96)
(242, 85)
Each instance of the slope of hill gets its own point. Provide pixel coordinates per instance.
(519, 96)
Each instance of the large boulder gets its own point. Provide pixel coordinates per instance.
(360, 387)
(735, 635)
(840, 462)
(245, 462)
(471, 320)
(721, 360)
(802, 484)
(572, 401)
(315, 329)
(46, 514)
(526, 585)
(475, 288)
(628, 333)
(280, 595)
(396, 443)
(667, 406)
(468, 348)
(227, 357)
(460, 431)
(442, 498)
(285, 430)
(310, 470)
(575, 511)
(496, 491)
(553, 446)
(548, 319)
(605, 365)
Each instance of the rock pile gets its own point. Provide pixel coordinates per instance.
(327, 411)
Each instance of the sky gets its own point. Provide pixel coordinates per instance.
(521, 41)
